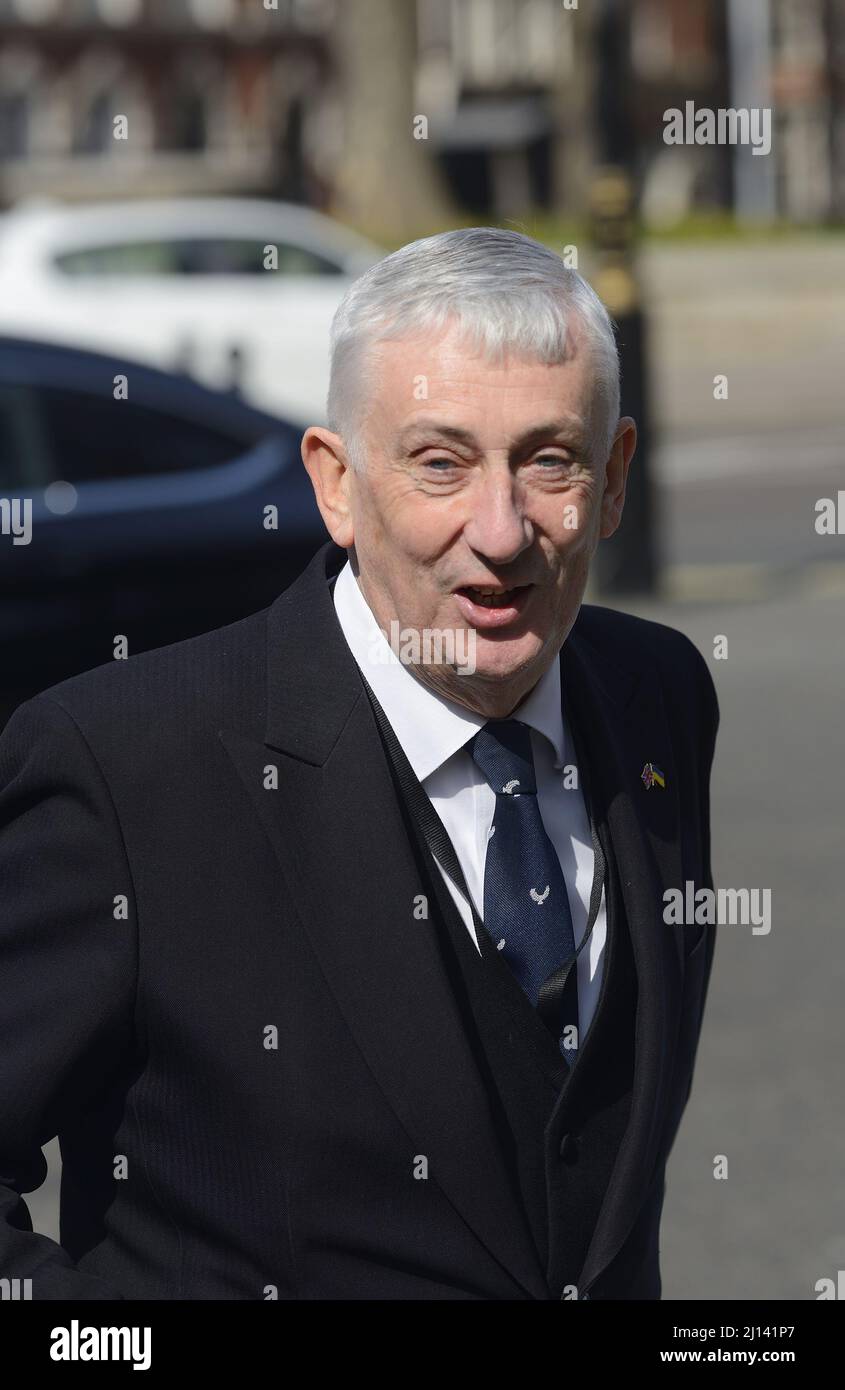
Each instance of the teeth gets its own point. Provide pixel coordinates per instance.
(490, 598)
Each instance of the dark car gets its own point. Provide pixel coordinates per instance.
(159, 509)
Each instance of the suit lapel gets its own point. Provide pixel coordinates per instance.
(617, 716)
(336, 827)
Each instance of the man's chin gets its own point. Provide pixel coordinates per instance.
(487, 673)
(501, 662)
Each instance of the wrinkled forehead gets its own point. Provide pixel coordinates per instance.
(422, 377)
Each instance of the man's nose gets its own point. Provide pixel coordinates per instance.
(498, 528)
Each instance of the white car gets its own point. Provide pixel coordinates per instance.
(183, 284)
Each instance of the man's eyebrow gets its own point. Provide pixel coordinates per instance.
(568, 425)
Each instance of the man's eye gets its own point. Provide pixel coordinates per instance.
(551, 459)
(439, 465)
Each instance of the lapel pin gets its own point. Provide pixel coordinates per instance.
(652, 776)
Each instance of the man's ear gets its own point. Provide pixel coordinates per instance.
(616, 475)
(328, 467)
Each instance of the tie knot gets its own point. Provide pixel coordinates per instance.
(502, 750)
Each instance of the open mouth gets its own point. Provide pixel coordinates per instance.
(490, 605)
(492, 598)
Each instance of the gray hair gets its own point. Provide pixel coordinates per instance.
(506, 291)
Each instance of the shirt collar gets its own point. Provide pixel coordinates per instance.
(429, 727)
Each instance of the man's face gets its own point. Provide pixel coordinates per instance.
(479, 477)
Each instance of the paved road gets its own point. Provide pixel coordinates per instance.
(769, 317)
(749, 500)
(769, 1087)
(739, 478)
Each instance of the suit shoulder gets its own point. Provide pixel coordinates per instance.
(636, 641)
(185, 683)
(631, 634)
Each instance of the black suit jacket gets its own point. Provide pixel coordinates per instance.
(217, 992)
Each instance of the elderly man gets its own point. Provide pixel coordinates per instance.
(333, 941)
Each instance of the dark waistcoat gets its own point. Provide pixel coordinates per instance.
(560, 1130)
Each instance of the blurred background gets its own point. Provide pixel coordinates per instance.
(187, 188)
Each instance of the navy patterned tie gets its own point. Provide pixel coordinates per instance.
(526, 908)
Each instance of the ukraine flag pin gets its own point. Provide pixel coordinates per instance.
(652, 776)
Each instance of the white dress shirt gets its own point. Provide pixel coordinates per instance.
(432, 732)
